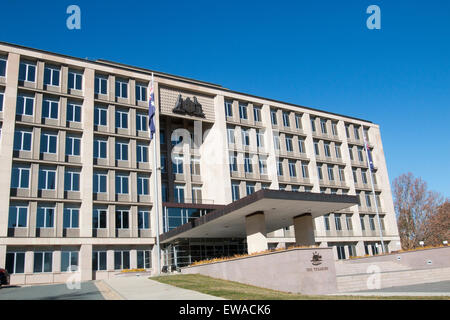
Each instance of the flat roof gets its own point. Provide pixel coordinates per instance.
(279, 207)
(104, 62)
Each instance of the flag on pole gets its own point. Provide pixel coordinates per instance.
(151, 111)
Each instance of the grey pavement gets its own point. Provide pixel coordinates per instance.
(87, 291)
(142, 288)
(424, 289)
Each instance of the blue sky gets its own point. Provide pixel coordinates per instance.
(318, 54)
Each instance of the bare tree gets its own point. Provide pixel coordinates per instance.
(438, 228)
(417, 211)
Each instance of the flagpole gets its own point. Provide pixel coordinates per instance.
(373, 192)
(156, 200)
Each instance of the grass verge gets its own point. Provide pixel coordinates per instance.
(239, 291)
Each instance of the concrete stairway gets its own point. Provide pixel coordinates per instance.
(390, 278)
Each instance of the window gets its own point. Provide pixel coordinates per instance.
(164, 192)
(121, 119)
(313, 124)
(334, 129)
(248, 164)
(100, 116)
(122, 181)
(355, 176)
(326, 219)
(323, 125)
(50, 109)
(99, 218)
(179, 193)
(382, 223)
(233, 163)
(1, 99)
(18, 216)
(177, 164)
(69, 261)
(361, 220)
(319, 172)
(71, 218)
(337, 221)
(27, 71)
(229, 109)
(326, 147)
(195, 166)
(235, 191)
(243, 111)
(143, 185)
(43, 262)
(273, 116)
(51, 75)
(101, 85)
(163, 163)
(350, 151)
(100, 182)
(356, 131)
(144, 259)
(341, 174)
(22, 140)
(260, 139)
(122, 219)
(99, 260)
(250, 188)
(75, 80)
(316, 148)
(372, 222)
(368, 201)
(330, 174)
(276, 142)
(289, 146)
(142, 153)
(230, 135)
(2, 67)
(121, 88)
(360, 154)
(71, 180)
(348, 222)
(141, 122)
(279, 168)
(341, 252)
(301, 145)
(286, 119)
(49, 142)
(162, 136)
(100, 148)
(20, 177)
(337, 149)
(141, 92)
(257, 113)
(292, 170)
(121, 260)
(298, 121)
(196, 194)
(25, 105)
(122, 151)
(245, 137)
(73, 146)
(347, 130)
(262, 166)
(364, 177)
(143, 219)
(45, 217)
(47, 179)
(305, 171)
(15, 262)
(73, 112)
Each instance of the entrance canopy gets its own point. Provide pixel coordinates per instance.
(279, 208)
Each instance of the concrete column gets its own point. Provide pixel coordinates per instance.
(133, 259)
(85, 263)
(255, 227)
(304, 230)
(3, 255)
(29, 260)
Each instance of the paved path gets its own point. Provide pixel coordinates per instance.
(424, 289)
(142, 288)
(87, 291)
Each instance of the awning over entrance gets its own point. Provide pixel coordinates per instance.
(279, 208)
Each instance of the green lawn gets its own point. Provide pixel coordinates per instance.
(238, 291)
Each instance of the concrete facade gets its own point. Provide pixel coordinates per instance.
(243, 144)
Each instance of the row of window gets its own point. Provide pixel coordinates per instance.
(52, 77)
(344, 222)
(43, 261)
(47, 180)
(45, 217)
